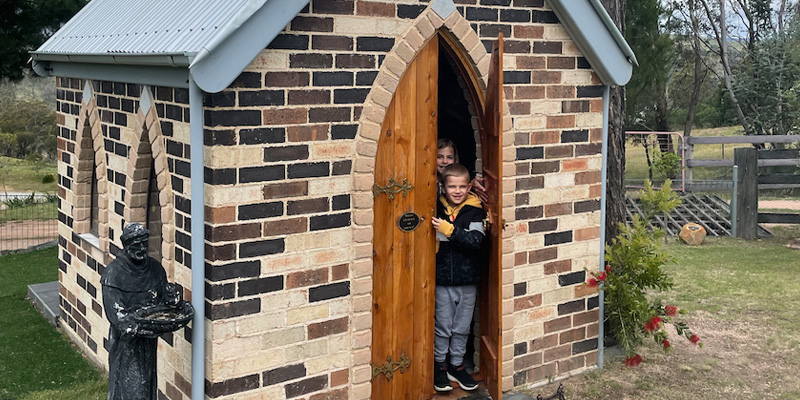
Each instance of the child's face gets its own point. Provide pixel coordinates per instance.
(456, 189)
(444, 157)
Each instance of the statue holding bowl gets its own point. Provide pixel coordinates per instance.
(140, 305)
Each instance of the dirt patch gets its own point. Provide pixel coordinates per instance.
(741, 359)
(780, 204)
(18, 235)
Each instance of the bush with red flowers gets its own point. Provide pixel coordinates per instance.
(633, 269)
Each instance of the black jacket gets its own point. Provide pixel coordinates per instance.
(458, 260)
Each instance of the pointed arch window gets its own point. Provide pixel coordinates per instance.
(94, 212)
(154, 223)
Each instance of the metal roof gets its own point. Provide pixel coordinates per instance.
(141, 27)
(216, 39)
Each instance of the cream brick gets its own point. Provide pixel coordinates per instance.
(279, 338)
(362, 285)
(543, 285)
(562, 179)
(340, 307)
(362, 303)
(530, 122)
(362, 339)
(573, 249)
(528, 332)
(557, 296)
(361, 392)
(258, 362)
(270, 60)
(361, 357)
(371, 130)
(280, 264)
(555, 32)
(333, 150)
(235, 348)
(577, 77)
(362, 374)
(260, 323)
(367, 149)
(219, 371)
(338, 343)
(330, 362)
(393, 27)
(342, 237)
(301, 315)
(595, 163)
(573, 221)
(356, 26)
(223, 331)
(330, 185)
(234, 195)
(589, 120)
(330, 256)
(306, 350)
(575, 193)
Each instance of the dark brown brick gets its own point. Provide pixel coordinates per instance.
(544, 342)
(588, 149)
(557, 267)
(326, 328)
(519, 108)
(261, 248)
(586, 206)
(233, 309)
(571, 307)
(575, 106)
(545, 167)
(285, 153)
(339, 272)
(232, 386)
(314, 60)
(327, 292)
(336, 394)
(286, 226)
(286, 79)
(284, 374)
(573, 363)
(561, 62)
(543, 225)
(587, 178)
(375, 9)
(529, 92)
(285, 189)
(228, 233)
(572, 335)
(332, 7)
(306, 278)
(312, 24)
(355, 61)
(565, 151)
(529, 212)
(306, 386)
(242, 269)
(251, 287)
(554, 210)
(547, 47)
(310, 96)
(527, 361)
(522, 199)
(307, 133)
(331, 42)
(219, 253)
(329, 114)
(534, 182)
(588, 317)
(542, 373)
(557, 353)
(183, 384)
(307, 206)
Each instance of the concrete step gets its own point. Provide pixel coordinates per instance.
(45, 298)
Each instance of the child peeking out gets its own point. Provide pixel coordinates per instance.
(459, 230)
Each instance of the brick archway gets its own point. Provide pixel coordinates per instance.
(476, 59)
(148, 151)
(90, 154)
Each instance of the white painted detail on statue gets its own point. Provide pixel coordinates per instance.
(443, 7)
(87, 92)
(145, 100)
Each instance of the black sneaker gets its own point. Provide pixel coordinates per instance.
(460, 375)
(440, 381)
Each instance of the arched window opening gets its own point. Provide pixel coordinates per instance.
(154, 215)
(94, 214)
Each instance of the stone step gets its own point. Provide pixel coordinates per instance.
(45, 298)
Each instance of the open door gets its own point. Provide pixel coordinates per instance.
(404, 279)
(491, 294)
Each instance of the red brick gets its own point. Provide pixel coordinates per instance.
(557, 267)
(523, 303)
(552, 210)
(283, 190)
(531, 62)
(561, 92)
(545, 137)
(307, 133)
(579, 164)
(544, 342)
(306, 278)
(560, 121)
(538, 256)
(529, 32)
(339, 272)
(587, 178)
(326, 328)
(586, 234)
(586, 318)
(530, 92)
(561, 62)
(520, 258)
(340, 377)
(558, 324)
(286, 226)
(545, 77)
(572, 335)
(220, 215)
(285, 116)
(375, 9)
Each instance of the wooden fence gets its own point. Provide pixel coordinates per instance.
(765, 158)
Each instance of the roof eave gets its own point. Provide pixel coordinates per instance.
(597, 38)
(161, 60)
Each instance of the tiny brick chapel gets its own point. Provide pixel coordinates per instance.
(282, 154)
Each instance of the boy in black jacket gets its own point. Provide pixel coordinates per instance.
(459, 231)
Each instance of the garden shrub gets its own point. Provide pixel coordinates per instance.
(48, 178)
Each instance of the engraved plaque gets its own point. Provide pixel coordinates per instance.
(408, 222)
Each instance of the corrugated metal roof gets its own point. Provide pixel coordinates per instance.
(143, 27)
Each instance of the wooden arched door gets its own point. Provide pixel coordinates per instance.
(404, 260)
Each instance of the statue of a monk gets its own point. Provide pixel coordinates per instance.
(131, 282)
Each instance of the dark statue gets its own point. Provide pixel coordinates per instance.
(140, 305)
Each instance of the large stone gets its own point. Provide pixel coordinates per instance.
(693, 234)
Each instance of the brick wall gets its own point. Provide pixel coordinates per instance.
(109, 133)
(288, 153)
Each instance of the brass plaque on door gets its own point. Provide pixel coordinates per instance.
(408, 221)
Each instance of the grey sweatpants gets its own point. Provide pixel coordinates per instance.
(454, 307)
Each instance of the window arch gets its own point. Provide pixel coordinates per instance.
(90, 199)
(148, 187)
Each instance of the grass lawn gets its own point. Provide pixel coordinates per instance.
(36, 361)
(40, 211)
(744, 302)
(22, 176)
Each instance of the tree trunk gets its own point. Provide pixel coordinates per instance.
(699, 72)
(615, 182)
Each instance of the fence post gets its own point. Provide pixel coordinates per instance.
(734, 196)
(688, 152)
(746, 159)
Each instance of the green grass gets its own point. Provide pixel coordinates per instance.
(21, 176)
(36, 361)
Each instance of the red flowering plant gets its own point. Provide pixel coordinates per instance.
(635, 269)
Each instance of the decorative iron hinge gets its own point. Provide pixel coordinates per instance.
(392, 188)
(388, 369)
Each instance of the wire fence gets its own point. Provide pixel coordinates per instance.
(656, 156)
(27, 222)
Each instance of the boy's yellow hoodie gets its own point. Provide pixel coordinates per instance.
(452, 212)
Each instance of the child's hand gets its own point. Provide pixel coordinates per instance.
(436, 223)
(479, 189)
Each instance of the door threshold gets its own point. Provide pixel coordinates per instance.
(482, 393)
